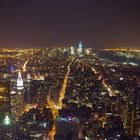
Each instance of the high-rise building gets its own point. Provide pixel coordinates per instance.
(6, 117)
(11, 101)
(67, 128)
(133, 114)
(88, 51)
(28, 89)
(72, 50)
(17, 104)
(136, 120)
(5, 102)
(80, 50)
(20, 92)
(20, 82)
(28, 77)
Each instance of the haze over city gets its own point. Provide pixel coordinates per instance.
(45, 23)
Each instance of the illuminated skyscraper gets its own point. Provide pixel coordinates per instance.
(20, 92)
(20, 82)
(72, 50)
(67, 128)
(28, 89)
(80, 50)
(28, 78)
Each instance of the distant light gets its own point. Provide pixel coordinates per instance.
(133, 64)
(86, 138)
(12, 92)
(121, 78)
(113, 70)
(130, 63)
(68, 119)
(42, 78)
(45, 125)
(7, 120)
(103, 93)
(118, 135)
(72, 50)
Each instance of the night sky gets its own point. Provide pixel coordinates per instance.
(98, 23)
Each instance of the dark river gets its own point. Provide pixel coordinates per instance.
(116, 58)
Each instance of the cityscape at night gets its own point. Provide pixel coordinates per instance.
(69, 70)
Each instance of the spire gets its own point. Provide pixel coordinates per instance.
(19, 81)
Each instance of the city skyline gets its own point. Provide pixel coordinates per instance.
(69, 70)
(69, 94)
(99, 24)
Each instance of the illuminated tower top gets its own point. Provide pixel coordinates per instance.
(80, 49)
(28, 77)
(19, 81)
(80, 45)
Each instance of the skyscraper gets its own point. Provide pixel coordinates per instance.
(5, 102)
(80, 50)
(28, 89)
(133, 114)
(136, 120)
(19, 82)
(72, 50)
(67, 128)
(20, 93)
